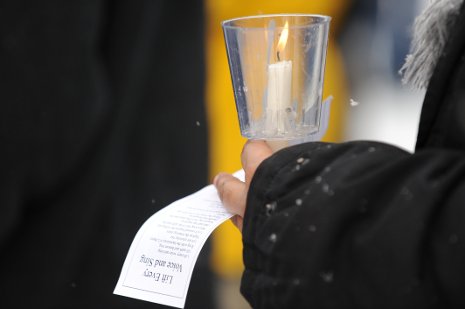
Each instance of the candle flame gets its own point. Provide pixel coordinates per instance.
(283, 39)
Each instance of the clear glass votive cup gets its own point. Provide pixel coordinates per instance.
(277, 67)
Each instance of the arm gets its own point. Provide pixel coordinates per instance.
(358, 224)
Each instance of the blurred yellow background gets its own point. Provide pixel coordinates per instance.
(224, 135)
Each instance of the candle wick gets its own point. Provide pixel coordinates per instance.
(277, 55)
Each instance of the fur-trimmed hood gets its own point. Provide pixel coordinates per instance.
(430, 33)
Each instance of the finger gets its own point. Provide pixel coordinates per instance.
(232, 193)
(253, 153)
(238, 221)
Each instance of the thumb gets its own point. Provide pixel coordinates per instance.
(253, 154)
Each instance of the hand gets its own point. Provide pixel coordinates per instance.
(232, 191)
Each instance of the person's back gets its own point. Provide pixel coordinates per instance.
(100, 104)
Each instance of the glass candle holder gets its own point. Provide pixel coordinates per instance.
(277, 69)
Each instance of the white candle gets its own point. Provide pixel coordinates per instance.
(279, 91)
(278, 96)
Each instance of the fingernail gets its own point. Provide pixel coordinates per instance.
(215, 180)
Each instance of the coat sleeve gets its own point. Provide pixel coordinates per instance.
(356, 225)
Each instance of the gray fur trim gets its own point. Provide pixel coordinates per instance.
(430, 33)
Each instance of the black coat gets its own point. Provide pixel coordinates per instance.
(365, 224)
(101, 103)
